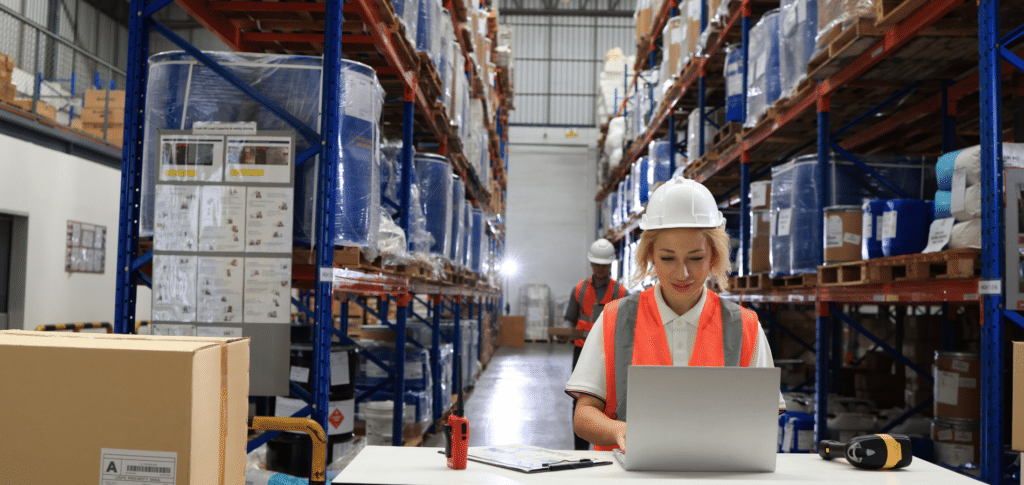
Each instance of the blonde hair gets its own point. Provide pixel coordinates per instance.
(717, 241)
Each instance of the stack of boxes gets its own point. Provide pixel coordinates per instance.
(7, 89)
(103, 115)
(536, 300)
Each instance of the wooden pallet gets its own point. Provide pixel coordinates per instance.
(349, 257)
(952, 264)
(729, 135)
(890, 12)
(429, 80)
(854, 39)
(806, 280)
(753, 282)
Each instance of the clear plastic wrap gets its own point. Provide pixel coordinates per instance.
(182, 92)
(467, 235)
(797, 29)
(434, 178)
(762, 67)
(692, 32)
(734, 91)
(457, 249)
(428, 30)
(446, 64)
(356, 198)
(784, 186)
(390, 174)
(392, 239)
(834, 14)
(672, 48)
(712, 122)
(420, 239)
(661, 162)
(640, 185)
(477, 240)
(408, 14)
(642, 17)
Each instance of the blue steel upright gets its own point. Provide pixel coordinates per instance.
(991, 238)
(330, 153)
(823, 331)
(131, 169)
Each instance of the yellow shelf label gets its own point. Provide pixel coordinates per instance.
(247, 172)
(181, 173)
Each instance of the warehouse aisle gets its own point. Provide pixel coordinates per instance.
(520, 399)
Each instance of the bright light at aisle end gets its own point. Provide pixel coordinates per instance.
(509, 268)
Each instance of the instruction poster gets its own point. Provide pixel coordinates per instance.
(86, 248)
(222, 236)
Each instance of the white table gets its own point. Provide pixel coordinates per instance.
(415, 466)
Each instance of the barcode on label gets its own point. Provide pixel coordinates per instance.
(148, 469)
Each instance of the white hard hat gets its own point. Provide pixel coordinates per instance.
(681, 202)
(601, 252)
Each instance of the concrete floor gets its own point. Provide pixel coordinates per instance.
(520, 399)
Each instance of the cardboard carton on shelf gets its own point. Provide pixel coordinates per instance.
(8, 92)
(43, 109)
(86, 406)
(97, 98)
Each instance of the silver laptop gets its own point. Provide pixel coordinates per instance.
(707, 419)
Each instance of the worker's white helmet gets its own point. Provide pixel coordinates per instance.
(601, 252)
(681, 202)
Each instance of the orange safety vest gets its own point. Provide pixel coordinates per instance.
(590, 308)
(726, 336)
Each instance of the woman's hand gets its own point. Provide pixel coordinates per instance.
(619, 431)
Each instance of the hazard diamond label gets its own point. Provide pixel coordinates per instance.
(336, 418)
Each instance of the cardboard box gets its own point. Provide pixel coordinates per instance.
(1017, 410)
(8, 92)
(97, 98)
(6, 63)
(80, 406)
(43, 109)
(512, 332)
(114, 116)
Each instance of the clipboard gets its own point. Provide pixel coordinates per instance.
(529, 459)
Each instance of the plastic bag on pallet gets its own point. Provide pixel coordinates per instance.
(762, 67)
(834, 15)
(797, 30)
(407, 13)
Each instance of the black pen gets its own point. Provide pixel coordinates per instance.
(571, 465)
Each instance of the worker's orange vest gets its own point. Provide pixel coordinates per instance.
(718, 320)
(586, 299)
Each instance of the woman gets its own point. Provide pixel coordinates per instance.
(677, 322)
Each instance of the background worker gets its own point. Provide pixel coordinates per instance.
(587, 301)
(677, 322)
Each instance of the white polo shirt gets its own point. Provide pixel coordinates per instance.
(681, 333)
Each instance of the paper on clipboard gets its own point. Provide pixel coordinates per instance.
(523, 458)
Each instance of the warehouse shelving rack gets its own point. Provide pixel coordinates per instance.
(854, 91)
(371, 35)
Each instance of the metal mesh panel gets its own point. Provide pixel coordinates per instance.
(53, 66)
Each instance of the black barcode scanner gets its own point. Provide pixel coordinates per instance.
(871, 451)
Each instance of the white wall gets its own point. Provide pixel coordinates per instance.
(551, 213)
(50, 188)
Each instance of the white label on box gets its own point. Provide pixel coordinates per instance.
(889, 225)
(771, 224)
(938, 234)
(834, 232)
(968, 382)
(851, 238)
(785, 217)
(867, 222)
(945, 435)
(963, 436)
(956, 198)
(341, 415)
(299, 374)
(758, 195)
(961, 366)
(947, 387)
(136, 467)
(339, 369)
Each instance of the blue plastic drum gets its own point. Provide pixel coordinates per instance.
(434, 178)
(456, 250)
(905, 225)
(734, 90)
